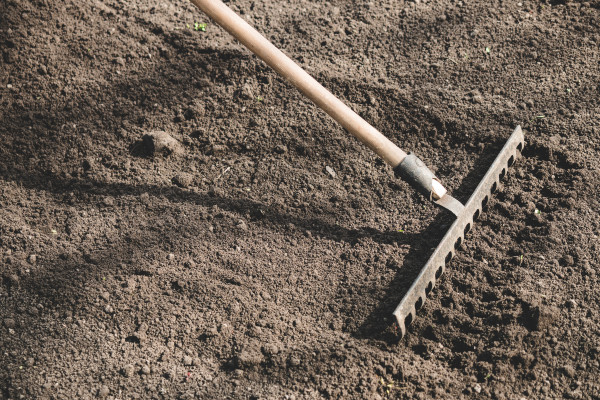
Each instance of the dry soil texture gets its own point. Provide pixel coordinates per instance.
(239, 266)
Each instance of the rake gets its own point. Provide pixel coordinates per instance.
(406, 166)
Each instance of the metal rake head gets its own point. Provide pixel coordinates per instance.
(415, 297)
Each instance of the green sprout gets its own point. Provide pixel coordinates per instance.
(388, 386)
(401, 230)
(538, 212)
(538, 117)
(187, 26)
(568, 90)
(259, 98)
(487, 50)
(489, 375)
(199, 27)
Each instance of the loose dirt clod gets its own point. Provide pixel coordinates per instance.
(248, 358)
(183, 180)
(160, 143)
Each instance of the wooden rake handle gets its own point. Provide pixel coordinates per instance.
(312, 89)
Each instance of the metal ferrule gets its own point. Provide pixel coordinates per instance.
(415, 172)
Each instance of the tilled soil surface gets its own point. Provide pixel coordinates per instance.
(261, 256)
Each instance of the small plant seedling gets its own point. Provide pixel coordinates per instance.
(388, 386)
(199, 27)
(401, 230)
(538, 212)
(488, 50)
(568, 90)
(537, 117)
(259, 98)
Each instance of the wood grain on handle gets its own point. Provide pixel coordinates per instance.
(312, 89)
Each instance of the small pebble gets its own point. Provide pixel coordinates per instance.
(145, 370)
(212, 331)
(108, 201)
(128, 370)
(170, 256)
(103, 392)
(281, 149)
(105, 295)
(295, 361)
(238, 373)
(568, 370)
(241, 225)
(477, 388)
(571, 303)
(330, 171)
(32, 258)
(108, 309)
(187, 360)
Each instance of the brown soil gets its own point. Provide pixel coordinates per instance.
(238, 266)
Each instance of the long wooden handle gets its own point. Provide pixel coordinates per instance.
(287, 68)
